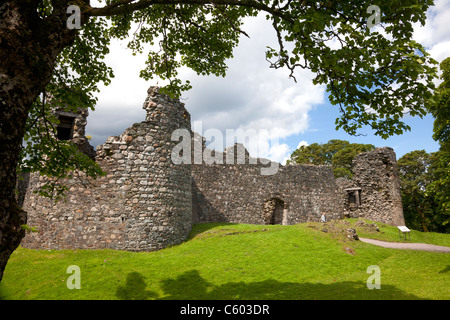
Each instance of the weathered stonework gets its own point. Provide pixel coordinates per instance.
(376, 173)
(146, 202)
(240, 194)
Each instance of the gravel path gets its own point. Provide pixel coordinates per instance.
(410, 246)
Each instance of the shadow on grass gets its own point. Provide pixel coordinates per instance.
(445, 269)
(203, 227)
(191, 286)
(135, 288)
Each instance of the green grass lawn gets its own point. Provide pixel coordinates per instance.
(239, 261)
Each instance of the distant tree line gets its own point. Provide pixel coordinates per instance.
(338, 154)
(421, 177)
(426, 177)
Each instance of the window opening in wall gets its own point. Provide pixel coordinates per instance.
(65, 128)
(354, 196)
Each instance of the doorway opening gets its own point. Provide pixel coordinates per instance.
(274, 211)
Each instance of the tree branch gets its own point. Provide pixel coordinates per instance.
(127, 6)
(229, 20)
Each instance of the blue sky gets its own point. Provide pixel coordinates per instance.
(253, 96)
(322, 129)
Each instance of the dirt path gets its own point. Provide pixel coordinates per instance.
(410, 246)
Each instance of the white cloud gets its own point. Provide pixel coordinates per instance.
(119, 104)
(302, 143)
(440, 50)
(435, 35)
(437, 23)
(279, 153)
(252, 96)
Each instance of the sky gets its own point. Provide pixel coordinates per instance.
(256, 97)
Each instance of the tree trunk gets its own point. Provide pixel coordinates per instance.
(29, 46)
(420, 209)
(424, 220)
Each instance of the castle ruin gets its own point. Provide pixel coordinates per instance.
(146, 202)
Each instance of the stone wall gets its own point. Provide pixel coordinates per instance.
(146, 202)
(85, 219)
(376, 173)
(377, 184)
(143, 202)
(239, 193)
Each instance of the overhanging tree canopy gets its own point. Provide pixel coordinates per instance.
(375, 75)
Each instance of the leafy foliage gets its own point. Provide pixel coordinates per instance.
(337, 153)
(79, 69)
(200, 37)
(438, 189)
(375, 75)
(439, 106)
(414, 177)
(420, 172)
(42, 152)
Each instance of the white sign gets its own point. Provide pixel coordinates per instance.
(403, 229)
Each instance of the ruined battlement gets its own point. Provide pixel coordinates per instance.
(147, 202)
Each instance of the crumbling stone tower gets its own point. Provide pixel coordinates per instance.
(143, 203)
(374, 193)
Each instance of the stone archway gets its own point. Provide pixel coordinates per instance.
(274, 211)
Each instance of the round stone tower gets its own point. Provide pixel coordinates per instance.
(158, 192)
(160, 200)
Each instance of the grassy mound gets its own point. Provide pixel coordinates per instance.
(239, 261)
